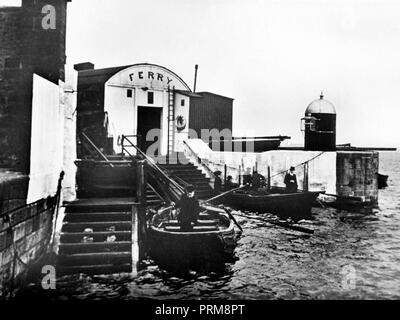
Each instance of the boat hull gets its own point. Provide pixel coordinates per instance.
(286, 205)
(191, 250)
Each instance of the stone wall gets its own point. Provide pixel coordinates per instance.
(26, 48)
(25, 230)
(10, 79)
(357, 174)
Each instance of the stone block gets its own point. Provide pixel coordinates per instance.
(19, 232)
(32, 240)
(28, 227)
(35, 223)
(7, 256)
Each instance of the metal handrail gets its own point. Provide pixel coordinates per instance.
(151, 162)
(97, 149)
(201, 161)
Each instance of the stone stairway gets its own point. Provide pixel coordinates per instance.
(96, 237)
(187, 172)
(192, 175)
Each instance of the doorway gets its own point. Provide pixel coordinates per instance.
(149, 118)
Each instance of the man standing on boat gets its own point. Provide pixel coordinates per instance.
(291, 181)
(229, 185)
(257, 181)
(189, 209)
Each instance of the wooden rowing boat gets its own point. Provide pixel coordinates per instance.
(382, 181)
(275, 201)
(211, 242)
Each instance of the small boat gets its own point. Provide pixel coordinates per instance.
(382, 181)
(212, 241)
(276, 201)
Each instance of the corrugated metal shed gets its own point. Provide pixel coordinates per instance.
(212, 111)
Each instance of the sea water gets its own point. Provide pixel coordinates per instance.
(352, 255)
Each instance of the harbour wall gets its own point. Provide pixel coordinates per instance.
(25, 231)
(28, 201)
(342, 173)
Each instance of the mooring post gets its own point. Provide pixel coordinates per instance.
(305, 180)
(240, 175)
(141, 212)
(269, 178)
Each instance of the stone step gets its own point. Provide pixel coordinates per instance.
(95, 269)
(196, 179)
(96, 226)
(97, 216)
(95, 258)
(75, 248)
(101, 237)
(178, 167)
(189, 174)
(101, 204)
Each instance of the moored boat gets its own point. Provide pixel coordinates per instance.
(382, 181)
(276, 201)
(211, 242)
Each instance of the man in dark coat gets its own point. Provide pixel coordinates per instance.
(291, 181)
(257, 181)
(189, 209)
(229, 185)
(217, 183)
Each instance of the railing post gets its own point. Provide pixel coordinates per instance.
(225, 172)
(305, 180)
(141, 199)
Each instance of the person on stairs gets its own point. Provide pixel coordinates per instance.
(217, 182)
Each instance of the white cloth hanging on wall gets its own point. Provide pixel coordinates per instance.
(47, 139)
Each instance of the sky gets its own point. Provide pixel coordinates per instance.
(272, 57)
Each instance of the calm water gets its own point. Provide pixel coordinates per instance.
(274, 263)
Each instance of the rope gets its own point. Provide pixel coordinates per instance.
(301, 164)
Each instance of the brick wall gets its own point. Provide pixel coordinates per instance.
(26, 48)
(25, 231)
(10, 74)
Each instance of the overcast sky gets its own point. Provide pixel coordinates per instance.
(272, 57)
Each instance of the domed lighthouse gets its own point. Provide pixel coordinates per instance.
(319, 126)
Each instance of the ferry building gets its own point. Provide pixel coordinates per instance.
(149, 103)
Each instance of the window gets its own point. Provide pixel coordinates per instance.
(129, 93)
(12, 63)
(183, 102)
(150, 97)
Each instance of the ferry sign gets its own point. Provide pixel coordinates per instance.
(147, 75)
(150, 75)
